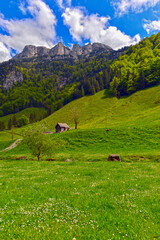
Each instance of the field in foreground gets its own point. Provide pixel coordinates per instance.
(79, 200)
(132, 143)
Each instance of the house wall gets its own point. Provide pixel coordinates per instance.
(59, 129)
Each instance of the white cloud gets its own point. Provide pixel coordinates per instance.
(63, 3)
(123, 6)
(60, 3)
(152, 26)
(37, 30)
(22, 7)
(4, 53)
(96, 29)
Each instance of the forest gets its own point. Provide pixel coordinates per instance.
(53, 84)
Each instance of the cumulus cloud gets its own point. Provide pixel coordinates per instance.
(152, 26)
(37, 30)
(123, 6)
(4, 53)
(96, 29)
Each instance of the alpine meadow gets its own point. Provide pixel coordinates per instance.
(79, 121)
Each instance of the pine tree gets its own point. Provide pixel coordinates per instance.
(115, 85)
(92, 90)
(31, 118)
(82, 91)
(142, 80)
(87, 87)
(14, 121)
(10, 124)
(100, 80)
(2, 126)
(96, 85)
(106, 79)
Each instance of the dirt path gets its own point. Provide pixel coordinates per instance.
(13, 145)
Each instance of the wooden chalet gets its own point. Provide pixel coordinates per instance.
(61, 127)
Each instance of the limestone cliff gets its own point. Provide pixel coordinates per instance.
(60, 51)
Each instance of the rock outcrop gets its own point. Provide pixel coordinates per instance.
(14, 76)
(60, 51)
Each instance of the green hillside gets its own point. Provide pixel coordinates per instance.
(134, 124)
(39, 114)
(101, 111)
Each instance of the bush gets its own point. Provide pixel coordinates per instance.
(23, 120)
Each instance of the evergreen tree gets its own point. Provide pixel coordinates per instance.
(10, 124)
(82, 91)
(115, 86)
(106, 79)
(14, 121)
(141, 80)
(2, 126)
(96, 85)
(31, 118)
(100, 80)
(59, 105)
(92, 90)
(87, 87)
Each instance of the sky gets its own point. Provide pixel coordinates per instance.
(116, 23)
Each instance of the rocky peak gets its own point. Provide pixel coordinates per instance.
(87, 49)
(29, 51)
(77, 50)
(60, 51)
(97, 46)
(42, 51)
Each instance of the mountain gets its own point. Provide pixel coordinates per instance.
(62, 52)
(51, 78)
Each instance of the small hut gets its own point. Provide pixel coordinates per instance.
(61, 127)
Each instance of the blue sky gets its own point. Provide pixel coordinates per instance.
(116, 23)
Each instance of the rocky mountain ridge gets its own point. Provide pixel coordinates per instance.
(60, 51)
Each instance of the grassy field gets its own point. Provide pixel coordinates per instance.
(137, 144)
(79, 200)
(88, 198)
(134, 122)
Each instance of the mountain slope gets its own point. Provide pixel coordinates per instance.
(51, 78)
(138, 68)
(134, 124)
(101, 111)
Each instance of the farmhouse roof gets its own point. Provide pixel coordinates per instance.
(63, 125)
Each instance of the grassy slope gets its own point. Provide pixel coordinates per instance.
(100, 111)
(134, 122)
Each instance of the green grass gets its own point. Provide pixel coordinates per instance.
(91, 198)
(138, 144)
(40, 112)
(79, 200)
(134, 122)
(102, 111)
